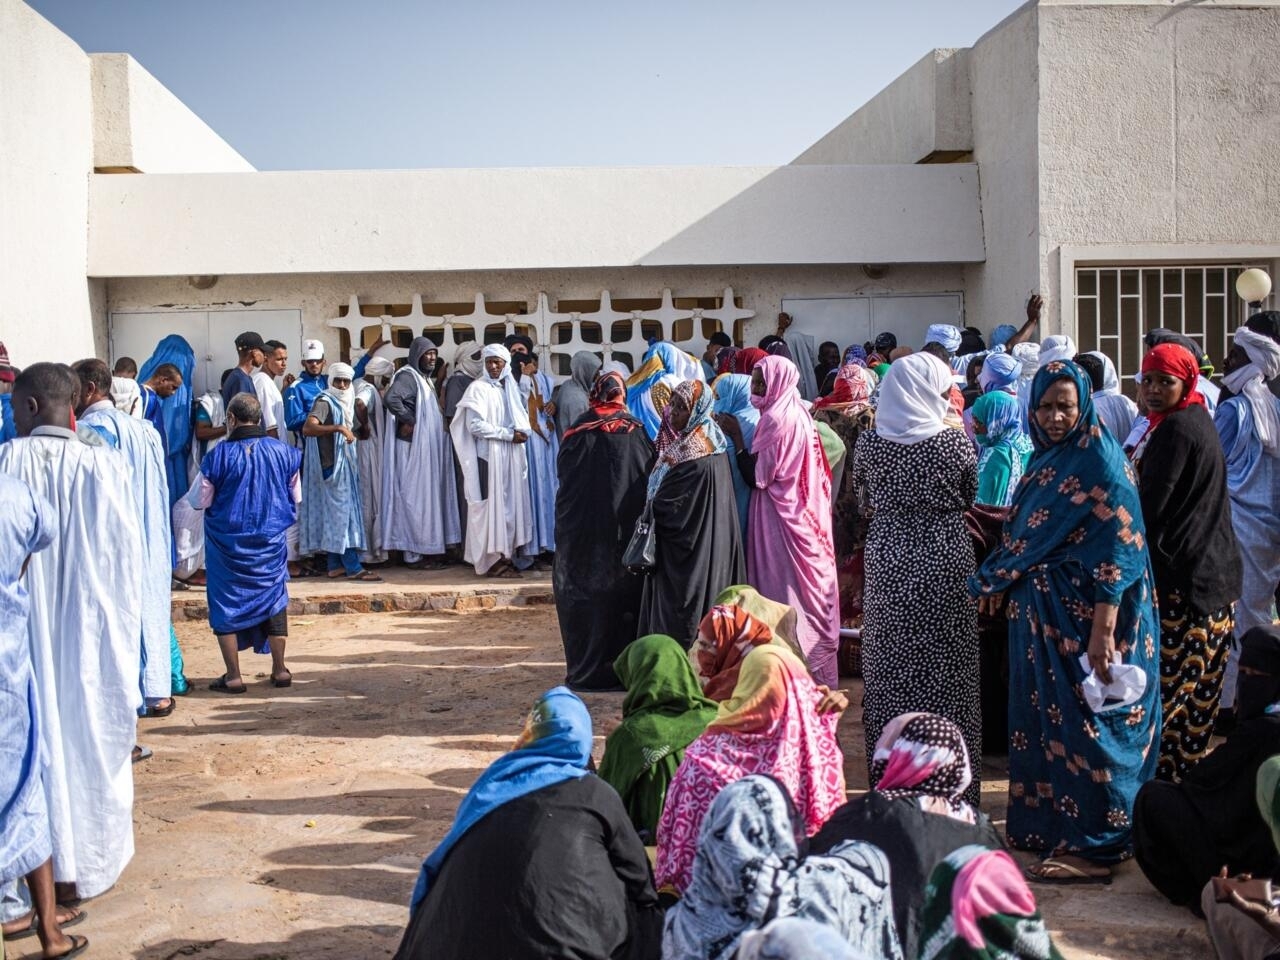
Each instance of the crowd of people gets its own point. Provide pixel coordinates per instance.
(1012, 554)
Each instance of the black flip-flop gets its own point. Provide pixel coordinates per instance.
(220, 685)
(282, 683)
(34, 927)
(153, 712)
(78, 946)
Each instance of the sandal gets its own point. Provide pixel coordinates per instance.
(78, 946)
(153, 712)
(33, 927)
(504, 571)
(286, 682)
(367, 576)
(141, 753)
(1064, 874)
(220, 685)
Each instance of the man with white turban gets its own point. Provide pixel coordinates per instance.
(489, 431)
(1056, 347)
(950, 337)
(419, 504)
(330, 518)
(369, 429)
(1248, 425)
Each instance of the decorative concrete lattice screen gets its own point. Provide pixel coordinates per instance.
(542, 321)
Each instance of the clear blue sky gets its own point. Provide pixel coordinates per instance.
(334, 84)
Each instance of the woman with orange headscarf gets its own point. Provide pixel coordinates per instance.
(1182, 482)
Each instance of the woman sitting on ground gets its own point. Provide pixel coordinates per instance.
(978, 906)
(573, 879)
(914, 812)
(772, 725)
(664, 711)
(751, 867)
(1074, 580)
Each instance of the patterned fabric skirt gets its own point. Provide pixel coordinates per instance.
(1193, 657)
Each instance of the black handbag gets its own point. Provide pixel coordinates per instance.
(641, 555)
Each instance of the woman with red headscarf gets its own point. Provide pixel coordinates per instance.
(1183, 486)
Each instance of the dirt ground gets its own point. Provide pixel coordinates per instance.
(291, 823)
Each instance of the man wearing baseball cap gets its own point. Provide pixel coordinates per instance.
(301, 395)
(249, 353)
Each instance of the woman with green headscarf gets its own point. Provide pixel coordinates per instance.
(664, 711)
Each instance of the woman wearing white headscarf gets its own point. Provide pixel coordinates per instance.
(489, 430)
(919, 633)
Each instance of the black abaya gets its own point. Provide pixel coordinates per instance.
(602, 490)
(559, 872)
(695, 514)
(913, 841)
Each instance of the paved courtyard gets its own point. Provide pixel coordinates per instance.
(291, 823)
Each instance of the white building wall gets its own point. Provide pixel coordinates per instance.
(1005, 80)
(761, 289)
(139, 125)
(46, 153)
(1158, 127)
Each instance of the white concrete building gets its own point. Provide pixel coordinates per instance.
(1115, 155)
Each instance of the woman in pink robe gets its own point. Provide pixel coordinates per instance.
(790, 551)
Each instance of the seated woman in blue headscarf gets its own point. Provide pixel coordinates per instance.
(541, 861)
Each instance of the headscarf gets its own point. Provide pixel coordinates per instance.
(1250, 381)
(1028, 354)
(1099, 527)
(914, 399)
(971, 341)
(175, 410)
(855, 353)
(978, 906)
(1001, 334)
(1175, 360)
(1110, 380)
(1002, 416)
(618, 367)
(853, 388)
(946, 334)
(770, 725)
(778, 617)
(779, 348)
(663, 712)
(384, 367)
(1057, 347)
(516, 408)
(923, 757)
(745, 360)
(1258, 692)
(733, 395)
(751, 866)
(554, 746)
(1269, 797)
(1000, 371)
(1158, 335)
(467, 359)
(700, 438)
(724, 359)
(725, 636)
(345, 399)
(649, 388)
(574, 396)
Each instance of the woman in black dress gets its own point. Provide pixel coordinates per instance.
(604, 463)
(1182, 482)
(920, 631)
(541, 861)
(695, 516)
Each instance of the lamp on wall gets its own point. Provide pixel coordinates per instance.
(1252, 286)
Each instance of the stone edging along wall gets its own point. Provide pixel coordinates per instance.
(197, 607)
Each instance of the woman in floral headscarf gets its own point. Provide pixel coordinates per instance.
(1074, 579)
(695, 518)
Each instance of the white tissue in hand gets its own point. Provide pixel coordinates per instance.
(1128, 684)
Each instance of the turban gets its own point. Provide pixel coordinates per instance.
(341, 371)
(1001, 334)
(946, 334)
(379, 367)
(1000, 371)
(1057, 347)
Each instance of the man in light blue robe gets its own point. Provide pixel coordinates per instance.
(542, 450)
(28, 525)
(142, 447)
(331, 517)
(248, 490)
(81, 613)
(1248, 425)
